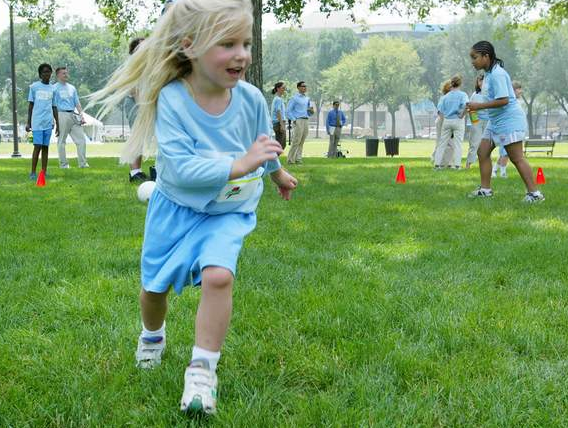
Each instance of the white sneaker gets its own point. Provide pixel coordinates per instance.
(149, 351)
(64, 166)
(200, 391)
(503, 175)
(533, 197)
(481, 193)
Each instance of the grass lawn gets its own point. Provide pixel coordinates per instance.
(359, 303)
(313, 148)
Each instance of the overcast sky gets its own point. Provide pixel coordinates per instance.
(87, 10)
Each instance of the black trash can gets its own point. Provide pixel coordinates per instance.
(391, 146)
(372, 146)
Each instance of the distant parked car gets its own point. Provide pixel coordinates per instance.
(6, 132)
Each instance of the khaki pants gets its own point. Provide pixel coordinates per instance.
(457, 127)
(69, 124)
(334, 136)
(474, 140)
(301, 129)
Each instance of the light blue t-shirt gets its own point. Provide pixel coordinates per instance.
(298, 107)
(66, 97)
(278, 106)
(41, 95)
(453, 104)
(509, 118)
(479, 98)
(196, 150)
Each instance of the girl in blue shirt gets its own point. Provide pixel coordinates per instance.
(507, 124)
(452, 108)
(213, 150)
(278, 113)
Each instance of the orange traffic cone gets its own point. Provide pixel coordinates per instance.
(41, 179)
(401, 176)
(540, 177)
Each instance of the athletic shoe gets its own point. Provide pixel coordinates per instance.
(503, 175)
(139, 177)
(200, 392)
(481, 193)
(533, 197)
(33, 176)
(84, 166)
(438, 168)
(153, 173)
(149, 352)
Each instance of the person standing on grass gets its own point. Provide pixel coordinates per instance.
(476, 128)
(507, 124)
(67, 101)
(452, 108)
(136, 175)
(41, 112)
(299, 111)
(503, 160)
(279, 114)
(448, 153)
(213, 148)
(335, 121)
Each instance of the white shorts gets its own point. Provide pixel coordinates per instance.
(500, 140)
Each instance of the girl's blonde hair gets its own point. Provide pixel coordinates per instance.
(162, 58)
(456, 81)
(446, 86)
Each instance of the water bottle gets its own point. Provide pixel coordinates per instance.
(473, 116)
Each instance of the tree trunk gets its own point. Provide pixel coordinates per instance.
(393, 121)
(374, 120)
(254, 73)
(319, 103)
(352, 117)
(530, 116)
(409, 108)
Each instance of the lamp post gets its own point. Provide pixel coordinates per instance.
(16, 153)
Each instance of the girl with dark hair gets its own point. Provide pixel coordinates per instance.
(507, 126)
(278, 114)
(478, 127)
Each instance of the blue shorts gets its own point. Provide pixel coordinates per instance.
(179, 243)
(41, 138)
(503, 151)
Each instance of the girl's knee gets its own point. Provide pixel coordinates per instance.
(217, 277)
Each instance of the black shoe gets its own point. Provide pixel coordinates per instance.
(153, 173)
(139, 177)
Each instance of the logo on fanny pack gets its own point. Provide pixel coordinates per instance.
(233, 192)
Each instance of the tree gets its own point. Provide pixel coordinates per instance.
(429, 51)
(336, 85)
(87, 52)
(390, 72)
(532, 71)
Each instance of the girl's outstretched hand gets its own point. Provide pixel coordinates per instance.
(262, 150)
(285, 181)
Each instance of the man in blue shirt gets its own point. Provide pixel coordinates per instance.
(335, 121)
(299, 110)
(67, 100)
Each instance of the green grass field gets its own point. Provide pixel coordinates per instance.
(313, 148)
(360, 303)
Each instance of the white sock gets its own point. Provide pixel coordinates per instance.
(133, 172)
(503, 169)
(483, 189)
(203, 354)
(161, 332)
